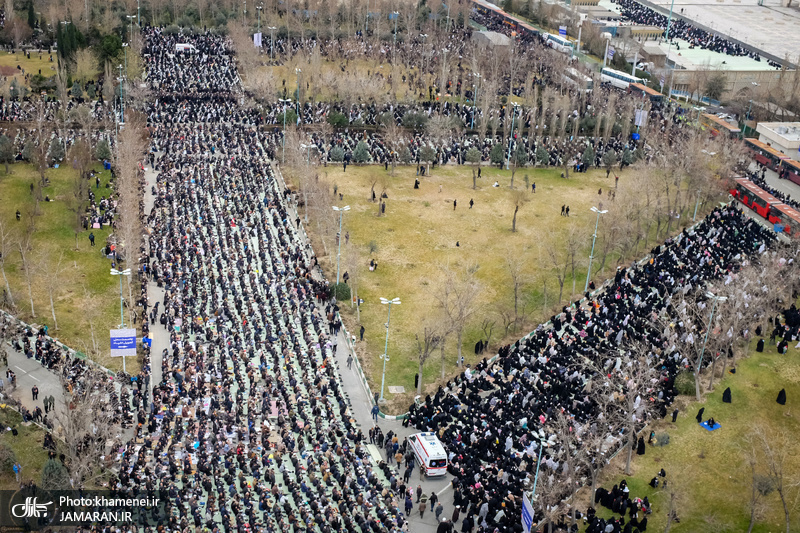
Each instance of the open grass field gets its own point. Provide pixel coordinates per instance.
(709, 468)
(26, 447)
(9, 62)
(416, 240)
(86, 296)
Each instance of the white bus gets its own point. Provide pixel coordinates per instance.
(558, 43)
(617, 78)
(575, 78)
(430, 453)
(181, 47)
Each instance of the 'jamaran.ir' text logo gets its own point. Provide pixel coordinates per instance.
(30, 509)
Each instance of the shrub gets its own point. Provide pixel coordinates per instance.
(102, 151)
(337, 154)
(337, 120)
(7, 459)
(373, 247)
(361, 153)
(55, 475)
(341, 291)
(684, 383)
(662, 439)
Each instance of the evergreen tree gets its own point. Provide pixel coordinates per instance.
(542, 156)
(31, 16)
(55, 475)
(6, 151)
(361, 153)
(337, 154)
(102, 151)
(56, 152)
(588, 156)
(76, 90)
(497, 155)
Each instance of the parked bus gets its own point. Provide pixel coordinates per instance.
(643, 91)
(756, 199)
(618, 79)
(790, 220)
(559, 43)
(577, 79)
(790, 170)
(719, 126)
(765, 154)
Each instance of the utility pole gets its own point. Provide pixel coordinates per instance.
(511, 133)
(271, 41)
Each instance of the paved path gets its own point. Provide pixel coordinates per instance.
(361, 407)
(29, 373)
(158, 333)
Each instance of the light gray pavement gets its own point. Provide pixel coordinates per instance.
(30, 372)
(785, 186)
(158, 333)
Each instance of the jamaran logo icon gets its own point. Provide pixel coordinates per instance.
(30, 509)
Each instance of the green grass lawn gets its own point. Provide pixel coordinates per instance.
(9, 62)
(710, 467)
(88, 297)
(417, 238)
(26, 446)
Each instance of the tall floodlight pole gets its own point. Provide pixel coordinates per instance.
(475, 99)
(396, 16)
(271, 41)
(542, 445)
(385, 357)
(298, 71)
(284, 101)
(341, 211)
(259, 18)
(121, 98)
(669, 47)
(696, 205)
(594, 239)
(511, 133)
(120, 273)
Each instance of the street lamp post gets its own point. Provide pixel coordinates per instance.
(341, 211)
(511, 133)
(669, 47)
(424, 39)
(131, 18)
(396, 16)
(120, 273)
(385, 357)
(594, 239)
(121, 98)
(298, 71)
(475, 99)
(696, 205)
(259, 19)
(271, 41)
(284, 101)
(542, 445)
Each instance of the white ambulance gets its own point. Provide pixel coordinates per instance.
(430, 453)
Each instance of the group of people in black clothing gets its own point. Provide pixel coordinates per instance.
(493, 417)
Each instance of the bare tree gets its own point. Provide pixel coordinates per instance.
(775, 447)
(87, 427)
(7, 244)
(518, 199)
(456, 294)
(431, 338)
(51, 267)
(761, 484)
(25, 246)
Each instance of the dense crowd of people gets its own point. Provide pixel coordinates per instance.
(249, 427)
(490, 418)
(681, 29)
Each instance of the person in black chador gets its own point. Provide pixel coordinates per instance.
(699, 416)
(760, 346)
(782, 397)
(640, 447)
(726, 396)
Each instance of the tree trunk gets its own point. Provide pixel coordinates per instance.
(459, 335)
(697, 384)
(8, 287)
(513, 171)
(53, 310)
(474, 178)
(713, 370)
(30, 296)
(514, 220)
(419, 381)
(444, 359)
(631, 444)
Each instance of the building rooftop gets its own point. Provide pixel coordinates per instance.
(492, 37)
(790, 131)
(769, 28)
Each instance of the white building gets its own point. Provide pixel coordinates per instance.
(783, 136)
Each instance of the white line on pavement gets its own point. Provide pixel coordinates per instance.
(33, 377)
(21, 369)
(449, 486)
